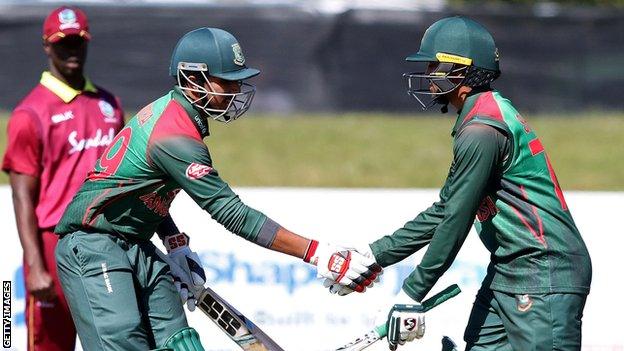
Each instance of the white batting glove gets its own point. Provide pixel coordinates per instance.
(346, 267)
(405, 321)
(342, 290)
(186, 268)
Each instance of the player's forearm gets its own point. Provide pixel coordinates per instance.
(24, 204)
(167, 227)
(405, 241)
(290, 243)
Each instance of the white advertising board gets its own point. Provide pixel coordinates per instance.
(281, 294)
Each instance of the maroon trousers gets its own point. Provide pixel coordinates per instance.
(49, 323)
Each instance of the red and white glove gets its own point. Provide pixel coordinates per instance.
(346, 267)
(342, 290)
(186, 268)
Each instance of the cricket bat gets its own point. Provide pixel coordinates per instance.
(239, 328)
(381, 331)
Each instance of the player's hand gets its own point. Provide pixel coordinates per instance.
(40, 284)
(342, 290)
(346, 267)
(187, 270)
(405, 321)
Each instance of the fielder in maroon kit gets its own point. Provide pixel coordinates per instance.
(55, 135)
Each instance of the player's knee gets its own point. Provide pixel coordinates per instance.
(185, 339)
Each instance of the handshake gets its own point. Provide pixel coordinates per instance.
(344, 270)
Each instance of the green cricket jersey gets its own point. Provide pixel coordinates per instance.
(157, 154)
(501, 176)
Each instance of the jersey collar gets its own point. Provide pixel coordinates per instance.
(200, 122)
(62, 90)
(468, 105)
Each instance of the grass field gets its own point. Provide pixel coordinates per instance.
(367, 150)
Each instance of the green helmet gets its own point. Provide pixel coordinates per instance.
(213, 52)
(459, 51)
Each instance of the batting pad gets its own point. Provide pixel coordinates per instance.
(185, 339)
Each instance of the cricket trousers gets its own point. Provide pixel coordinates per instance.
(532, 322)
(120, 293)
(49, 324)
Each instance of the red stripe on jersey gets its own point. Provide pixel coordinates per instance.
(536, 146)
(528, 226)
(541, 238)
(174, 121)
(558, 191)
(485, 106)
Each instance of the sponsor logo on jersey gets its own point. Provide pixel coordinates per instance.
(62, 117)
(98, 140)
(239, 58)
(159, 204)
(202, 126)
(196, 171)
(486, 210)
(68, 19)
(145, 114)
(108, 111)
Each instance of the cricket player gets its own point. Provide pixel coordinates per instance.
(55, 135)
(117, 284)
(501, 178)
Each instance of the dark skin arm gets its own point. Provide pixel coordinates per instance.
(285, 241)
(290, 243)
(25, 192)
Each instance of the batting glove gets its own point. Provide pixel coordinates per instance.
(346, 267)
(405, 321)
(186, 268)
(342, 290)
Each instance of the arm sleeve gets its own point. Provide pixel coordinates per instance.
(24, 146)
(188, 163)
(477, 154)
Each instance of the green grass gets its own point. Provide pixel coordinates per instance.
(367, 150)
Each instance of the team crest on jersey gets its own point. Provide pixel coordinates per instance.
(108, 111)
(62, 117)
(196, 171)
(68, 19)
(239, 59)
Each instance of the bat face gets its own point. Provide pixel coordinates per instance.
(240, 329)
(217, 312)
(362, 342)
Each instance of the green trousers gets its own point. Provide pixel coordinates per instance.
(533, 322)
(120, 294)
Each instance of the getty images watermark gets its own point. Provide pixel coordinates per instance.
(6, 314)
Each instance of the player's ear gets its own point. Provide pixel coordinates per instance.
(47, 48)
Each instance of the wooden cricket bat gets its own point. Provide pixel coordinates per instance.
(381, 331)
(239, 328)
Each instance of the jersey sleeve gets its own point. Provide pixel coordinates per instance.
(24, 146)
(188, 163)
(477, 155)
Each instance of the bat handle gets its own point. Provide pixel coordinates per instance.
(427, 305)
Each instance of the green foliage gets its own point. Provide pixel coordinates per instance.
(372, 150)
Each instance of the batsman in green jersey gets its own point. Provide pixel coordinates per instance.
(118, 284)
(501, 179)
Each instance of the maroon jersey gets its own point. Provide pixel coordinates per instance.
(56, 134)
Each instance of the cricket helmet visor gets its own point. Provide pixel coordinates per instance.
(454, 51)
(206, 52)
